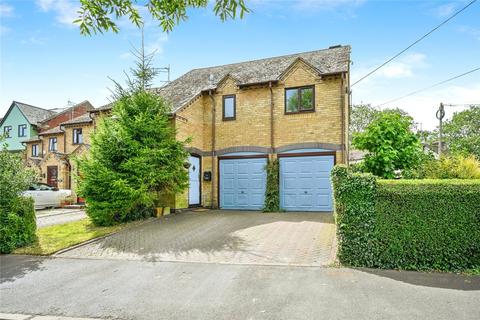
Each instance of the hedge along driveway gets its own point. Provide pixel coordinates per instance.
(407, 224)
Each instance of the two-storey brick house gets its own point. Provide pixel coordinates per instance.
(294, 108)
(51, 152)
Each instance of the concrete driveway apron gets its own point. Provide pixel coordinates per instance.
(218, 236)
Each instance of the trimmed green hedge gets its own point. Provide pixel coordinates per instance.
(17, 224)
(407, 224)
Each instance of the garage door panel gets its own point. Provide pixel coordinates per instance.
(305, 183)
(291, 183)
(247, 181)
(289, 200)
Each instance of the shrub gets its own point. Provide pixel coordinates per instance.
(17, 215)
(17, 224)
(272, 191)
(390, 144)
(407, 224)
(449, 167)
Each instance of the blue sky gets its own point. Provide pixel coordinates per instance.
(46, 62)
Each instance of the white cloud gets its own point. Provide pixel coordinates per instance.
(445, 10)
(4, 30)
(65, 10)
(35, 40)
(156, 45)
(422, 107)
(405, 67)
(6, 10)
(471, 31)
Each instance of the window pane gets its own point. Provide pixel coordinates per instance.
(229, 107)
(306, 95)
(292, 100)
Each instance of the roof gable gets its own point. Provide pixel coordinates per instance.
(33, 114)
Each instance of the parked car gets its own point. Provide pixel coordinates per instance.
(45, 196)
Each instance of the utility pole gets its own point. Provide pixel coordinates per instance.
(440, 115)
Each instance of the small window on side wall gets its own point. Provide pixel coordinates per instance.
(34, 150)
(52, 144)
(229, 107)
(6, 131)
(22, 130)
(300, 99)
(77, 136)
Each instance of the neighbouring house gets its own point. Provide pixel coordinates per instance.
(51, 152)
(66, 114)
(293, 108)
(21, 122)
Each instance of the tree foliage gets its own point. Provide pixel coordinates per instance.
(17, 215)
(99, 15)
(390, 144)
(462, 132)
(360, 117)
(134, 154)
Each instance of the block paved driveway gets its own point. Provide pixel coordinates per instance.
(217, 236)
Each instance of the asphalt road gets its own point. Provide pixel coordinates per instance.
(175, 290)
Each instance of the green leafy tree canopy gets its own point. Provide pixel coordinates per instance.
(462, 132)
(99, 15)
(390, 144)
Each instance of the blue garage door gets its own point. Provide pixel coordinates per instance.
(242, 183)
(305, 183)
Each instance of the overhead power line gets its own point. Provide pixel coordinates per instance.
(429, 87)
(414, 43)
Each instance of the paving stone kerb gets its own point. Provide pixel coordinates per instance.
(234, 237)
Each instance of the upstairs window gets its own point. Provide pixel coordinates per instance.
(34, 150)
(6, 131)
(77, 136)
(52, 144)
(300, 99)
(22, 130)
(229, 107)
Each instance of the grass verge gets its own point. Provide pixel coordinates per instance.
(54, 238)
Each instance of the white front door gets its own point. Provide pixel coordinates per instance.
(194, 184)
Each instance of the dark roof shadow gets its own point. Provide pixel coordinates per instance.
(13, 267)
(430, 279)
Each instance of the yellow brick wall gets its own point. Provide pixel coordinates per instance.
(189, 124)
(323, 125)
(252, 124)
(87, 129)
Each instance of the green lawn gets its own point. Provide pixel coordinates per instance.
(54, 238)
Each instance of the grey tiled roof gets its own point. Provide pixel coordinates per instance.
(106, 107)
(84, 118)
(182, 90)
(53, 130)
(34, 114)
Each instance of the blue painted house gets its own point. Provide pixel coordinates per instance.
(20, 123)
